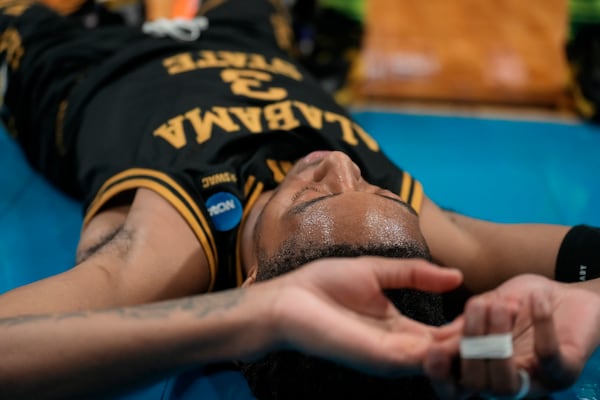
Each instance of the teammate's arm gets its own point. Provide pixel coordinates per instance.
(73, 355)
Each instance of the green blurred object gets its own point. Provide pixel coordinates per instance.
(582, 13)
(329, 37)
(354, 9)
(583, 52)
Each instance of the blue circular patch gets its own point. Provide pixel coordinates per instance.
(225, 210)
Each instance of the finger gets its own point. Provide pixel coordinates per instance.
(546, 344)
(358, 342)
(474, 375)
(437, 367)
(453, 329)
(414, 273)
(503, 377)
(438, 363)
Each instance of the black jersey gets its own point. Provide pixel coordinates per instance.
(208, 124)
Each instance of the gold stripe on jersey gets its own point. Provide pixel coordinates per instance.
(11, 44)
(16, 8)
(411, 191)
(405, 186)
(248, 185)
(171, 191)
(417, 197)
(239, 268)
(279, 169)
(208, 5)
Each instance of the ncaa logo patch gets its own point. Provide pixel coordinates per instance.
(225, 210)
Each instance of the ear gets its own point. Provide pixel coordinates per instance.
(251, 277)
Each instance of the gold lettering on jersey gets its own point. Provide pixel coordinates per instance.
(180, 63)
(211, 59)
(234, 59)
(275, 66)
(10, 42)
(173, 132)
(15, 8)
(203, 124)
(250, 117)
(249, 83)
(366, 138)
(348, 131)
(184, 62)
(278, 169)
(282, 116)
(223, 177)
(313, 115)
(345, 124)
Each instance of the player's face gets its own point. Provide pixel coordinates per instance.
(324, 199)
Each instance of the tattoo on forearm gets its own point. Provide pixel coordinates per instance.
(199, 306)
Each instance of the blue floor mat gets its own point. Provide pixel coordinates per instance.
(502, 170)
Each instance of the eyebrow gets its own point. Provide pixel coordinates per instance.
(301, 208)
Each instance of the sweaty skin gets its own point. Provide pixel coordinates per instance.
(324, 199)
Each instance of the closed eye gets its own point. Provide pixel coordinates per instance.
(311, 188)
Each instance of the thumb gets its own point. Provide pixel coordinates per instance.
(415, 274)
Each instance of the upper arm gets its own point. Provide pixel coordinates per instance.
(153, 255)
(130, 255)
(449, 245)
(489, 253)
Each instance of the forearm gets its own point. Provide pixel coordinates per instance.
(490, 253)
(507, 250)
(70, 355)
(77, 289)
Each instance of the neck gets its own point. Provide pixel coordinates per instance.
(248, 247)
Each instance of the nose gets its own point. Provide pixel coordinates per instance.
(338, 172)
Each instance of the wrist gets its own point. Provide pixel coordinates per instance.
(277, 317)
(263, 332)
(590, 302)
(578, 258)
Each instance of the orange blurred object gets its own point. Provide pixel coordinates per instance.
(156, 9)
(185, 8)
(63, 6)
(501, 51)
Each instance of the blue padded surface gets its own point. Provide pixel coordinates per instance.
(502, 170)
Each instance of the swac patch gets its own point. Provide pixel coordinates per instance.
(225, 210)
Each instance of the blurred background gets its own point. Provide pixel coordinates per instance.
(537, 54)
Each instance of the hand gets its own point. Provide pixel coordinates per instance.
(335, 308)
(555, 329)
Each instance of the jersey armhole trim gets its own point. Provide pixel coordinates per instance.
(171, 191)
(411, 192)
(252, 198)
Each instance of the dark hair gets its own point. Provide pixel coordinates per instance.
(291, 375)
